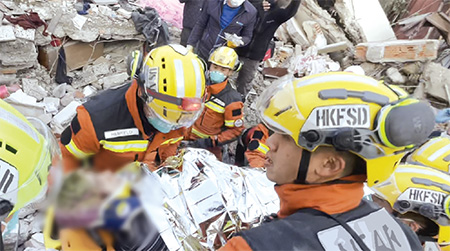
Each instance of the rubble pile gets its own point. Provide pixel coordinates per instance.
(400, 47)
(56, 54)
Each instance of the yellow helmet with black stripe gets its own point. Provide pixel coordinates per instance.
(27, 153)
(350, 112)
(172, 82)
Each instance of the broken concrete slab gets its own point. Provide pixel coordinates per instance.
(89, 91)
(311, 11)
(398, 51)
(32, 88)
(435, 78)
(100, 25)
(60, 90)
(51, 104)
(114, 80)
(333, 48)
(364, 21)
(296, 33)
(65, 116)
(28, 34)
(395, 77)
(20, 54)
(67, 99)
(7, 33)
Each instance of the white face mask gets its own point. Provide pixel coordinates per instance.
(235, 3)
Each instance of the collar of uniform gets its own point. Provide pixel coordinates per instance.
(329, 198)
(132, 103)
(216, 88)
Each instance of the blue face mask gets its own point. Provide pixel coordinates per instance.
(160, 125)
(217, 77)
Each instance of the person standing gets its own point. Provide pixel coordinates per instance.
(191, 12)
(254, 52)
(235, 17)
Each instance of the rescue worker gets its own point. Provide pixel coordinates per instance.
(333, 131)
(434, 153)
(420, 197)
(28, 154)
(251, 148)
(221, 121)
(135, 121)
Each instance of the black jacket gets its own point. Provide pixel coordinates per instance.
(266, 27)
(191, 12)
(207, 30)
(309, 229)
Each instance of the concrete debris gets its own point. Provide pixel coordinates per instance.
(315, 34)
(32, 88)
(311, 11)
(395, 76)
(364, 21)
(67, 99)
(89, 91)
(114, 80)
(296, 33)
(19, 54)
(60, 91)
(51, 104)
(435, 77)
(398, 51)
(63, 118)
(7, 34)
(28, 34)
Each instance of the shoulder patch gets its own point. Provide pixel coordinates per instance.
(75, 125)
(66, 136)
(238, 123)
(236, 112)
(258, 134)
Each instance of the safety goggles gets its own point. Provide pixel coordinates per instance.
(185, 104)
(173, 117)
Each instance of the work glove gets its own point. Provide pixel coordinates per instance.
(443, 116)
(233, 40)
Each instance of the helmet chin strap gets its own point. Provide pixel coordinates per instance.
(303, 167)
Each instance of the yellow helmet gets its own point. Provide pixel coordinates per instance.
(423, 191)
(400, 91)
(172, 82)
(434, 153)
(225, 57)
(350, 112)
(27, 151)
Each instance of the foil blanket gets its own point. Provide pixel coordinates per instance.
(206, 202)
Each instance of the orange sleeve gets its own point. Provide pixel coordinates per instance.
(255, 158)
(78, 141)
(234, 122)
(236, 244)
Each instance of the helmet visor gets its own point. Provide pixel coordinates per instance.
(178, 118)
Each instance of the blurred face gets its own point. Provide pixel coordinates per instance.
(227, 72)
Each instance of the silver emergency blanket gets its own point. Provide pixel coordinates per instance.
(206, 202)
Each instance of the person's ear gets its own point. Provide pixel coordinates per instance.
(332, 166)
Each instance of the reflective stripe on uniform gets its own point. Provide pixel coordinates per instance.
(75, 151)
(229, 123)
(215, 107)
(262, 148)
(172, 141)
(125, 146)
(199, 134)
